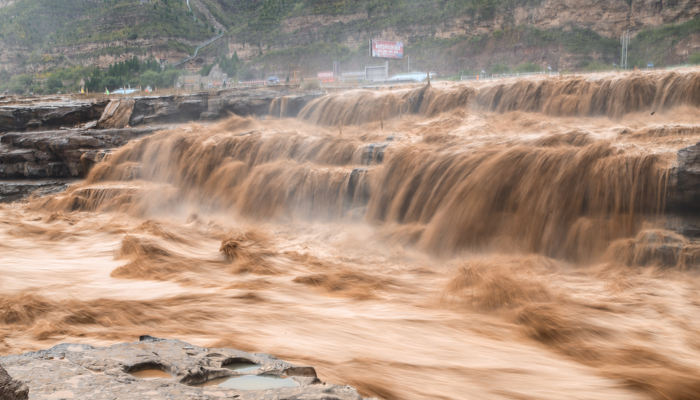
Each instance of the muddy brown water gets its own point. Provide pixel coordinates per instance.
(151, 374)
(455, 251)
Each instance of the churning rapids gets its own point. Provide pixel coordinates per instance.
(511, 239)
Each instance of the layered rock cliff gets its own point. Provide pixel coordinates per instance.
(275, 35)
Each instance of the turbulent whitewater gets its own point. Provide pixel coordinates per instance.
(513, 239)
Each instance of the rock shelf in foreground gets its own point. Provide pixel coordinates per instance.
(162, 369)
(11, 389)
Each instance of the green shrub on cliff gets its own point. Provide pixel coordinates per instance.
(657, 45)
(694, 58)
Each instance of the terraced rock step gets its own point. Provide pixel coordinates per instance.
(65, 153)
(37, 113)
(48, 113)
(165, 369)
(684, 187)
(11, 190)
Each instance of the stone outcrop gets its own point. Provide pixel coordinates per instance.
(116, 115)
(65, 112)
(60, 153)
(684, 188)
(195, 106)
(175, 108)
(31, 147)
(11, 389)
(12, 190)
(47, 115)
(166, 369)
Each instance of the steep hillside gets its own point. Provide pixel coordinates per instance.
(275, 36)
(449, 36)
(40, 34)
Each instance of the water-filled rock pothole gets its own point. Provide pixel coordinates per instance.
(240, 365)
(150, 374)
(148, 370)
(252, 382)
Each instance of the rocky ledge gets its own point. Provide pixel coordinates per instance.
(160, 369)
(13, 190)
(47, 113)
(58, 138)
(67, 153)
(684, 183)
(18, 115)
(11, 389)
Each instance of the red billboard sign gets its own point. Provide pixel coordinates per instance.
(326, 76)
(387, 49)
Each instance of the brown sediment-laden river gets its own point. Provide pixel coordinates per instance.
(524, 239)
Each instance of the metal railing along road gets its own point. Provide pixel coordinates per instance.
(510, 75)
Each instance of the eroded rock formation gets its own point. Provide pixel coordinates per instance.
(11, 389)
(156, 368)
(32, 146)
(18, 115)
(684, 194)
(33, 114)
(117, 114)
(59, 153)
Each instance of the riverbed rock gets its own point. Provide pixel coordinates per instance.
(49, 114)
(68, 153)
(116, 115)
(12, 190)
(684, 182)
(219, 104)
(11, 389)
(31, 151)
(168, 109)
(165, 369)
(70, 111)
